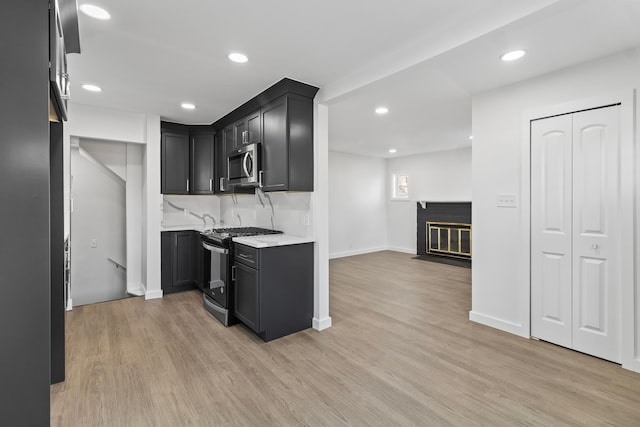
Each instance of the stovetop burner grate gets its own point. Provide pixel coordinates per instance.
(229, 232)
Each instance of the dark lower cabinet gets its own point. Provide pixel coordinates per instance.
(247, 295)
(273, 289)
(179, 263)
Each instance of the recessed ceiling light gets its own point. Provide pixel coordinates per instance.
(188, 106)
(95, 12)
(382, 110)
(92, 88)
(513, 55)
(238, 57)
(392, 150)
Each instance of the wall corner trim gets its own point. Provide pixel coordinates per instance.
(503, 325)
(322, 324)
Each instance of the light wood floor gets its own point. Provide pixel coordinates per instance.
(401, 352)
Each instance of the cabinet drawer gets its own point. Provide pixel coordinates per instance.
(246, 255)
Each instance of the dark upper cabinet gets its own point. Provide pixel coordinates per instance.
(287, 144)
(175, 161)
(58, 75)
(247, 130)
(179, 262)
(188, 159)
(202, 163)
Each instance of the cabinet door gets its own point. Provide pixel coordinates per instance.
(254, 128)
(183, 258)
(239, 130)
(247, 296)
(175, 163)
(202, 158)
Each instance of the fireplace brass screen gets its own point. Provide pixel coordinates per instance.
(449, 238)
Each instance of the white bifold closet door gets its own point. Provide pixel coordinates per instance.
(575, 247)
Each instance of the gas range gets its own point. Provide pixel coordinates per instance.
(224, 235)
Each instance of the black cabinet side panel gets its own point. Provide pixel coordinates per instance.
(275, 158)
(300, 144)
(57, 254)
(286, 289)
(25, 317)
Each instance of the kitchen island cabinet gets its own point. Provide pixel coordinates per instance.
(273, 288)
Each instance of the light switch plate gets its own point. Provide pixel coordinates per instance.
(507, 201)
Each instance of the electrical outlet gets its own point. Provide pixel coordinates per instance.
(507, 201)
(94, 243)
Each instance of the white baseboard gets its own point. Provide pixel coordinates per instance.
(503, 325)
(155, 294)
(321, 324)
(135, 289)
(69, 304)
(411, 251)
(357, 252)
(371, 250)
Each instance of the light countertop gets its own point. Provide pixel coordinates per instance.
(271, 240)
(186, 227)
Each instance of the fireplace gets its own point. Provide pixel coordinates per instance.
(444, 232)
(449, 239)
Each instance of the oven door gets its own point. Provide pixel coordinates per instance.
(216, 278)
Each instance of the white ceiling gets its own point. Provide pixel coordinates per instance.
(421, 58)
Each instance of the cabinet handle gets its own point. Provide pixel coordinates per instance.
(222, 184)
(210, 184)
(260, 175)
(187, 185)
(245, 137)
(233, 272)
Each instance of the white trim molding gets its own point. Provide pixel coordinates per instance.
(503, 325)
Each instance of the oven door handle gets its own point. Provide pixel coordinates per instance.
(215, 249)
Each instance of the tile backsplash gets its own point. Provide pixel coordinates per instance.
(197, 211)
(287, 212)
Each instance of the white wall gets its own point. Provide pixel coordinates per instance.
(498, 267)
(441, 176)
(109, 125)
(357, 204)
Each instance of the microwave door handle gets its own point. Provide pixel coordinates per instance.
(244, 164)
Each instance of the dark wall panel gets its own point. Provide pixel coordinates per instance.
(24, 215)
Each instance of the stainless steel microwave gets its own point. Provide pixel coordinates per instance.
(243, 165)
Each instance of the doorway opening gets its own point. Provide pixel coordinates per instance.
(106, 188)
